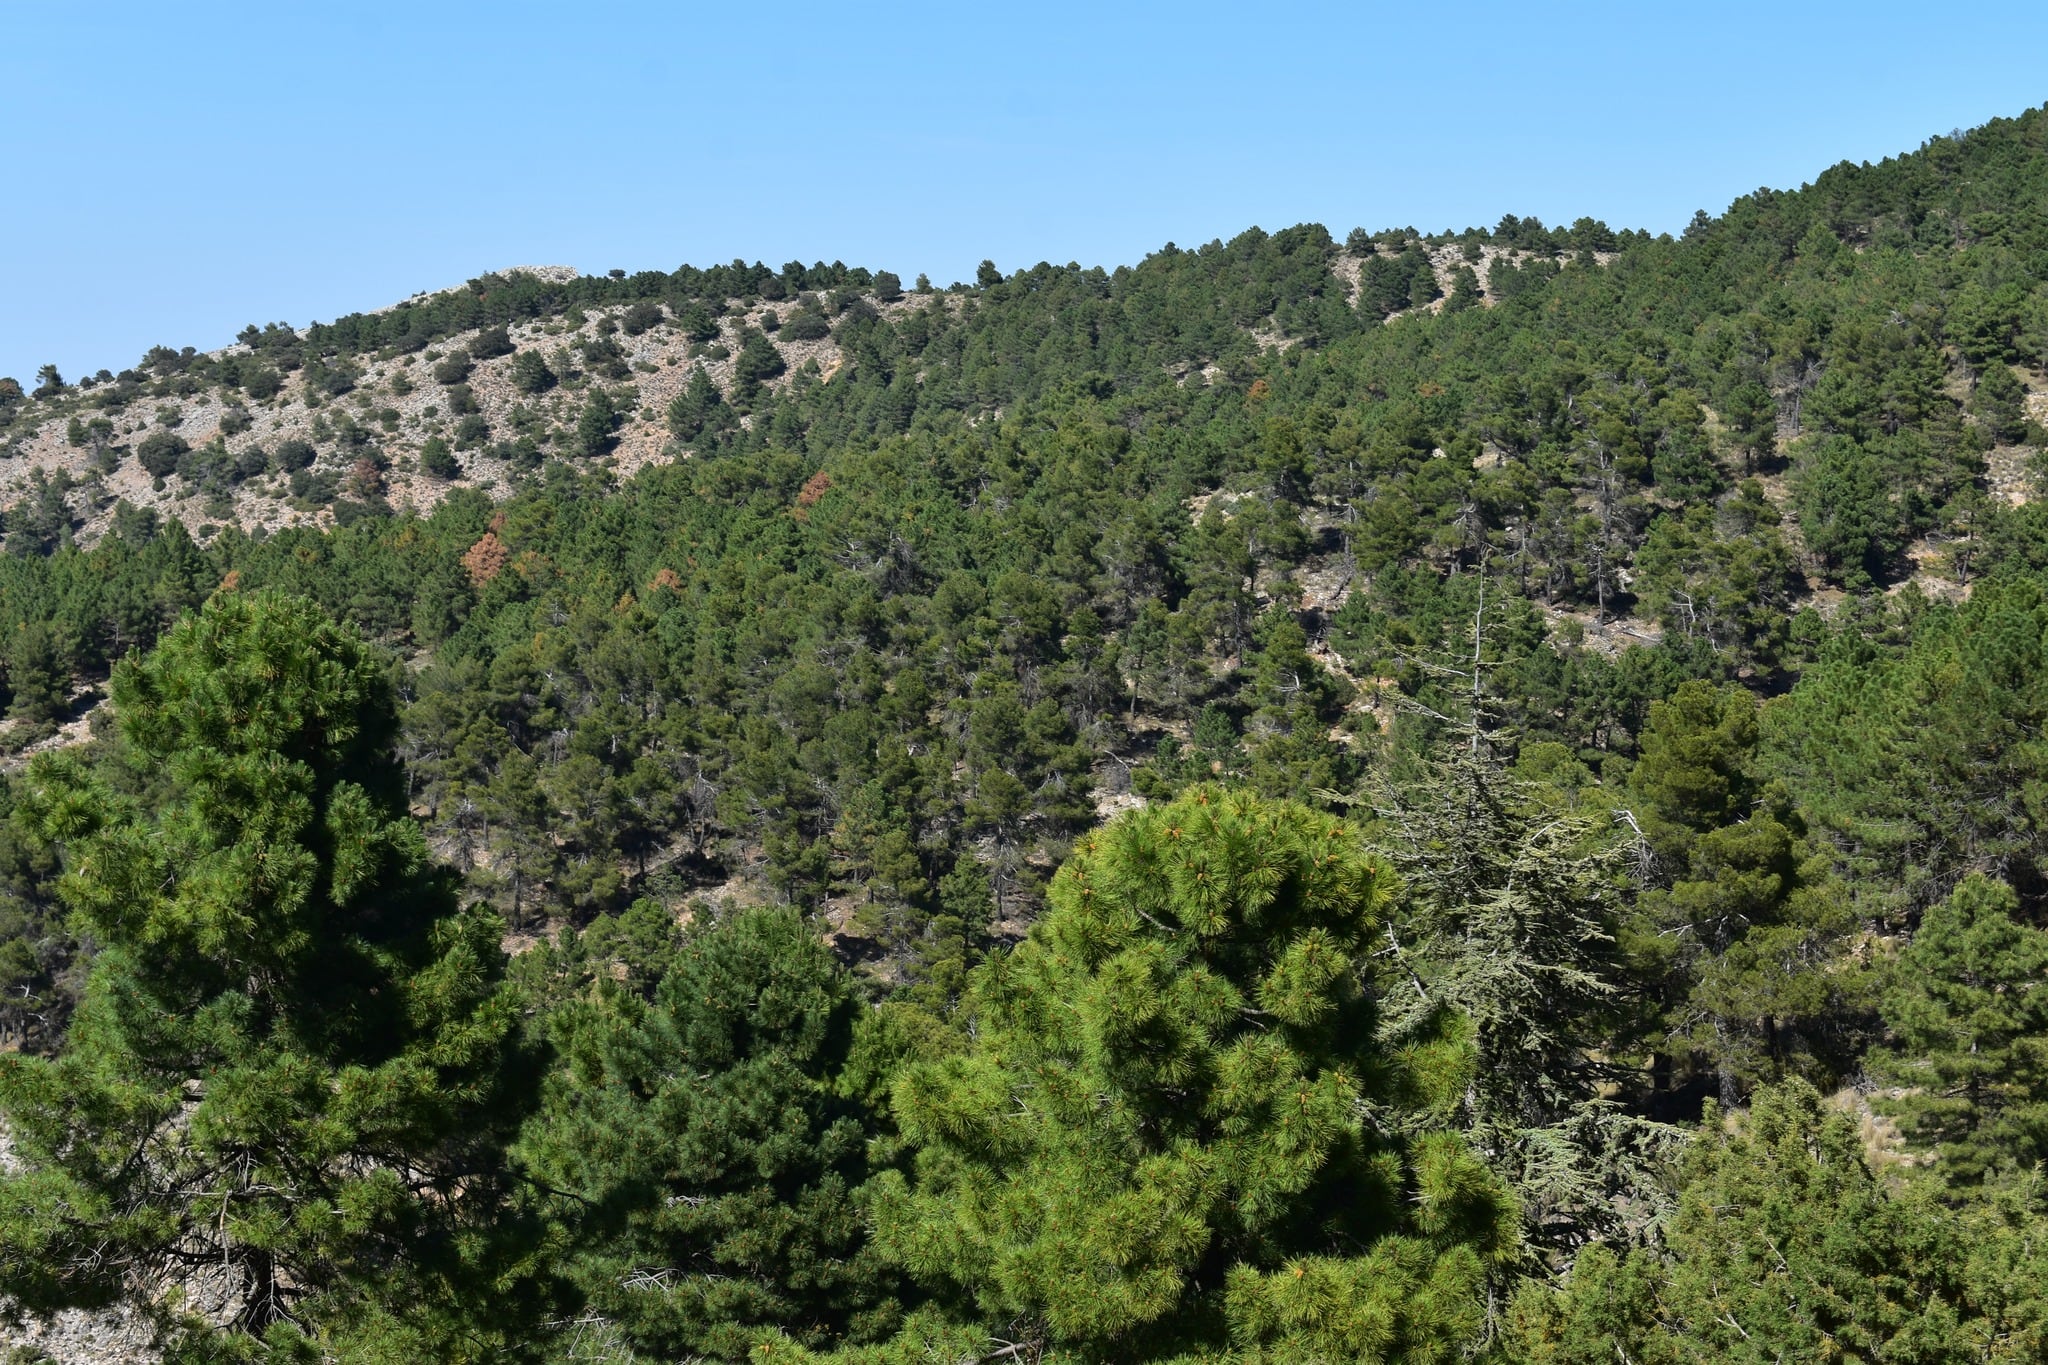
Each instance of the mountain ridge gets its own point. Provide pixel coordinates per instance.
(656, 361)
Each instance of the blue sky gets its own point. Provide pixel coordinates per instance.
(177, 171)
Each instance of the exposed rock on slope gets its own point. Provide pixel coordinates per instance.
(393, 409)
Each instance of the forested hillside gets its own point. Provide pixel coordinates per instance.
(1386, 799)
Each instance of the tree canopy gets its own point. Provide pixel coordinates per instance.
(1406, 795)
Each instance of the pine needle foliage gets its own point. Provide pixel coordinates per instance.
(1786, 1246)
(1968, 1006)
(281, 1106)
(708, 1164)
(1158, 1140)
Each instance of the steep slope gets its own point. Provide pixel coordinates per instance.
(1247, 498)
(390, 408)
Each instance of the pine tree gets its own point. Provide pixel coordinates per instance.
(38, 674)
(531, 374)
(1969, 1008)
(699, 409)
(1173, 1128)
(289, 1079)
(1847, 514)
(596, 423)
(1785, 1246)
(1743, 912)
(2001, 403)
(710, 1164)
(759, 360)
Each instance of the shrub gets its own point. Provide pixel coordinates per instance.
(160, 451)
(331, 377)
(606, 357)
(453, 370)
(522, 454)
(292, 455)
(855, 313)
(530, 373)
(806, 324)
(349, 511)
(437, 461)
(209, 465)
(697, 322)
(317, 488)
(491, 343)
(642, 317)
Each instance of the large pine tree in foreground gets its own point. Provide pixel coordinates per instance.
(700, 1150)
(283, 1100)
(1174, 1130)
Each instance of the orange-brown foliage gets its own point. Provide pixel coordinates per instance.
(486, 559)
(813, 489)
(365, 479)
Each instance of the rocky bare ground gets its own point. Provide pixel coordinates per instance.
(112, 1336)
(398, 401)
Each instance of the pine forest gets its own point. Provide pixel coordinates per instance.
(1395, 798)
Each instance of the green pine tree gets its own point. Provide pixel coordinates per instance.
(707, 1161)
(288, 1083)
(2001, 403)
(1785, 1246)
(1742, 912)
(699, 409)
(1968, 1007)
(1173, 1129)
(759, 360)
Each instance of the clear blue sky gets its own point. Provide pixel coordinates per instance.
(178, 171)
